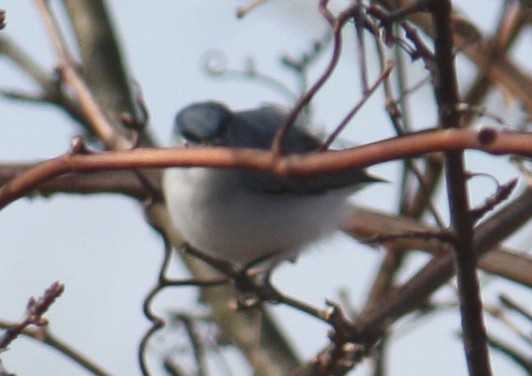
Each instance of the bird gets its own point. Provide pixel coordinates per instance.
(244, 216)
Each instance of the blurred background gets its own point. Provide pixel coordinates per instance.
(100, 247)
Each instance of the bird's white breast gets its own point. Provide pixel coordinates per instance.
(217, 216)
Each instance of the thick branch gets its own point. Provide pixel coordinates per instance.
(488, 140)
(103, 65)
(447, 97)
(364, 224)
(413, 294)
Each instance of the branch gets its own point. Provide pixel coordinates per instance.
(274, 356)
(44, 336)
(34, 316)
(35, 310)
(48, 84)
(109, 134)
(336, 24)
(104, 66)
(364, 224)
(124, 182)
(500, 69)
(447, 97)
(438, 271)
(487, 140)
(371, 325)
(106, 81)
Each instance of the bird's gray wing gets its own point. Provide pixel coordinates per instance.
(258, 129)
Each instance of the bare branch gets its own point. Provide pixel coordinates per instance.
(488, 140)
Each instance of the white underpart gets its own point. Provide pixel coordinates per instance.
(218, 217)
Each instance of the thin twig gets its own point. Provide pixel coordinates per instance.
(34, 314)
(369, 91)
(502, 193)
(336, 25)
(43, 335)
(49, 85)
(163, 282)
(246, 9)
(519, 358)
(189, 322)
(510, 303)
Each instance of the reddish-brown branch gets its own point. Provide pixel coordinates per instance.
(291, 166)
(124, 182)
(337, 26)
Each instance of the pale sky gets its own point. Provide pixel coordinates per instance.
(107, 256)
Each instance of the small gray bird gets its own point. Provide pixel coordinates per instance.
(243, 215)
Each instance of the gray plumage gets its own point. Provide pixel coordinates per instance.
(242, 215)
